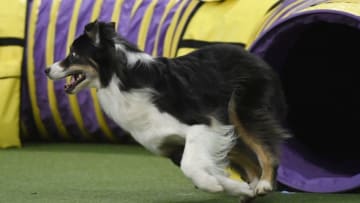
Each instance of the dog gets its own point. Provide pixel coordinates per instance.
(216, 107)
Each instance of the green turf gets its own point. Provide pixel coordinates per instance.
(110, 173)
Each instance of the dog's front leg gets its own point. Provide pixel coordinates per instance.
(197, 163)
(203, 161)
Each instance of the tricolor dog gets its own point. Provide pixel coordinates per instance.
(215, 108)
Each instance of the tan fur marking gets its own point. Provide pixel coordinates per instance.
(85, 68)
(264, 156)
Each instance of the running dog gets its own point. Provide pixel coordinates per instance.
(216, 107)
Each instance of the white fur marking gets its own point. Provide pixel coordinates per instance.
(204, 159)
(263, 187)
(97, 39)
(133, 57)
(197, 162)
(235, 188)
(56, 71)
(254, 182)
(135, 112)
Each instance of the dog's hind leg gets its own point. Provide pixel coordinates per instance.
(246, 164)
(265, 152)
(204, 161)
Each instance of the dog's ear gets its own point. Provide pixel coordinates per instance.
(92, 31)
(111, 25)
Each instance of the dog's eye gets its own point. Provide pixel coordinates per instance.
(73, 54)
(73, 57)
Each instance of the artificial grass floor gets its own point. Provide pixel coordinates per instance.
(90, 173)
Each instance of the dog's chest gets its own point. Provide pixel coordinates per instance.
(135, 113)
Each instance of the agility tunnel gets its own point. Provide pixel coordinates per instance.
(48, 113)
(314, 47)
(12, 34)
(311, 43)
(160, 28)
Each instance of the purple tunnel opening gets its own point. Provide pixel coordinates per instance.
(316, 55)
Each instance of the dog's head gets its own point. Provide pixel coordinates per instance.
(91, 59)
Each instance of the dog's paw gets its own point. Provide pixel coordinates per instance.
(214, 189)
(236, 188)
(202, 179)
(207, 183)
(212, 185)
(263, 187)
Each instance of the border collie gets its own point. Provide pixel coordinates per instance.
(216, 107)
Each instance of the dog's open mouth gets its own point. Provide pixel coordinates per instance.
(75, 79)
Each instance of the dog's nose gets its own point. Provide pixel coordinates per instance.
(47, 70)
